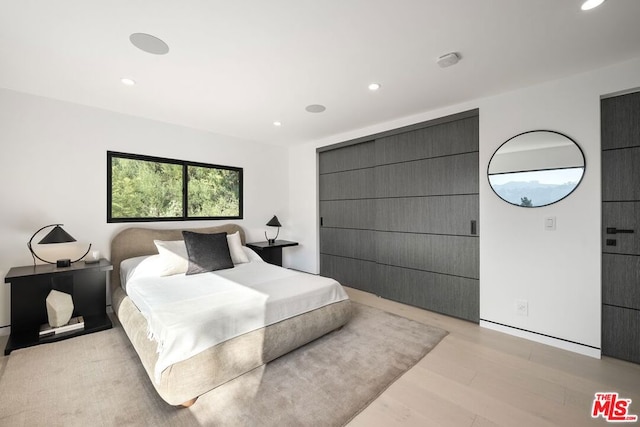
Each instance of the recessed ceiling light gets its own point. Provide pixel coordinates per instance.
(149, 43)
(127, 81)
(315, 108)
(591, 4)
(277, 124)
(374, 86)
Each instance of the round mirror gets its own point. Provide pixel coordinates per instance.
(536, 168)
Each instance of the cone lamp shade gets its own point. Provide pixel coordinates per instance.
(57, 235)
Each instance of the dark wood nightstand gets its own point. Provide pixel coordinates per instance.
(271, 253)
(30, 285)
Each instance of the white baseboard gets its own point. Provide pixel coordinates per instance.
(544, 339)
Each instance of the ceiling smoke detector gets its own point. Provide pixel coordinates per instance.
(448, 59)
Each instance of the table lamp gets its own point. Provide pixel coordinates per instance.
(57, 235)
(273, 222)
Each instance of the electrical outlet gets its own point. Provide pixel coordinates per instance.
(522, 307)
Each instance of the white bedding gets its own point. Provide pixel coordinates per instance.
(188, 314)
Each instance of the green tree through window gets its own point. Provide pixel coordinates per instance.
(144, 188)
(212, 192)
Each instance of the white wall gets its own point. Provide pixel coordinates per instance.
(557, 272)
(53, 170)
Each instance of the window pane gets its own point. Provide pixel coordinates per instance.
(213, 192)
(145, 189)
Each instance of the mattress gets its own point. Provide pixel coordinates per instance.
(189, 314)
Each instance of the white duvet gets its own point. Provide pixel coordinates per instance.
(188, 314)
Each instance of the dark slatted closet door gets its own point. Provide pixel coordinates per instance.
(427, 191)
(621, 211)
(347, 212)
(408, 235)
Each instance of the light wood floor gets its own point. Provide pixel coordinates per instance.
(478, 377)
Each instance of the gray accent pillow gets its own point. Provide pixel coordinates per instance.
(207, 252)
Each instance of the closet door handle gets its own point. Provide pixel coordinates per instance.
(613, 230)
(474, 227)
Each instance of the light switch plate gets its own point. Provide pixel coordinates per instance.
(550, 223)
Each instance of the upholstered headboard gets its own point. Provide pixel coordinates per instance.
(135, 241)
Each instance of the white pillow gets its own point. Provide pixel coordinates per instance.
(142, 266)
(252, 256)
(235, 248)
(173, 255)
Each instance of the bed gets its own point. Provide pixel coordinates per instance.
(180, 382)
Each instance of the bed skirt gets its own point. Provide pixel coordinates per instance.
(186, 380)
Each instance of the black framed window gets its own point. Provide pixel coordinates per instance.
(145, 188)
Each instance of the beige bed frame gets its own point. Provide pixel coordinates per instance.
(183, 382)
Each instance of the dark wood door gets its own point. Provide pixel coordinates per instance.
(621, 227)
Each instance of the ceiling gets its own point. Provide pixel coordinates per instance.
(235, 67)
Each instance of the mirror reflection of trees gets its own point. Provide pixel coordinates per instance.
(526, 202)
(536, 168)
(541, 188)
